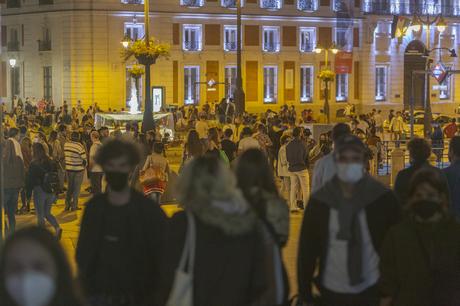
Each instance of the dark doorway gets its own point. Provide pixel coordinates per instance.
(414, 60)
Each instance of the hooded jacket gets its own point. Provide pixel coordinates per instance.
(230, 261)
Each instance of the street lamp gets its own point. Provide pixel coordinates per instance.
(334, 49)
(126, 41)
(240, 98)
(12, 62)
(427, 22)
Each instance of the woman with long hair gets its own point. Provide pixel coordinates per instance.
(230, 256)
(26, 149)
(420, 258)
(34, 271)
(193, 147)
(43, 179)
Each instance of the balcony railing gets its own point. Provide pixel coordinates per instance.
(307, 47)
(271, 47)
(192, 3)
(44, 45)
(192, 45)
(13, 3)
(13, 46)
(45, 2)
(132, 1)
(409, 8)
(271, 4)
(229, 3)
(307, 5)
(230, 46)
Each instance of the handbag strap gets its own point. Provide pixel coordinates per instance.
(188, 254)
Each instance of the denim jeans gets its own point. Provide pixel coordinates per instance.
(75, 179)
(43, 202)
(11, 205)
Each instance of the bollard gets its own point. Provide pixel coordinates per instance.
(397, 163)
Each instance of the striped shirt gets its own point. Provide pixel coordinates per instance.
(75, 156)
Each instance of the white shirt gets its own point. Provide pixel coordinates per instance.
(202, 128)
(248, 143)
(336, 277)
(325, 169)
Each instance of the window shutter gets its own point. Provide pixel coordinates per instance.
(252, 81)
(212, 34)
(356, 73)
(356, 37)
(3, 92)
(289, 36)
(358, 3)
(325, 2)
(251, 1)
(251, 35)
(325, 36)
(287, 2)
(4, 36)
(175, 33)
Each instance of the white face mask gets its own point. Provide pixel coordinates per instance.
(350, 173)
(31, 288)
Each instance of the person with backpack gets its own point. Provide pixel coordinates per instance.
(44, 181)
(157, 167)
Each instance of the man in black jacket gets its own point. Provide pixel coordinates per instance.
(297, 158)
(120, 236)
(343, 228)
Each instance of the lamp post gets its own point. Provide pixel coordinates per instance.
(148, 123)
(240, 98)
(419, 22)
(333, 48)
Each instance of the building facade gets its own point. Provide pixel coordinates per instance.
(70, 50)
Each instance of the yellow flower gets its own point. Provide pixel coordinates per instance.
(139, 48)
(326, 75)
(136, 71)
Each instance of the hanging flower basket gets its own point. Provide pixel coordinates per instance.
(136, 71)
(146, 55)
(326, 75)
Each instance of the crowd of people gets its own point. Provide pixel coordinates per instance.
(241, 180)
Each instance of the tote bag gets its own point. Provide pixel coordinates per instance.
(182, 289)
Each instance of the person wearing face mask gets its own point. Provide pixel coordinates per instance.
(420, 262)
(34, 271)
(121, 235)
(343, 228)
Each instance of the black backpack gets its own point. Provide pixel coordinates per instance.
(50, 182)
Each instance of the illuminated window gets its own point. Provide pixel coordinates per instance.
(230, 3)
(134, 30)
(341, 37)
(192, 37)
(270, 4)
(270, 84)
(230, 80)
(271, 39)
(191, 85)
(306, 84)
(230, 38)
(381, 83)
(307, 5)
(192, 3)
(341, 87)
(307, 39)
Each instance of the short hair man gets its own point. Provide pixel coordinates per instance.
(453, 175)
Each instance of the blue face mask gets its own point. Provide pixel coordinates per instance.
(350, 172)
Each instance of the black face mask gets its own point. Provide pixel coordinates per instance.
(425, 209)
(117, 180)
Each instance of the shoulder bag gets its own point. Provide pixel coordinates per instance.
(182, 288)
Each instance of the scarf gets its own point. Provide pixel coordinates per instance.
(17, 148)
(367, 190)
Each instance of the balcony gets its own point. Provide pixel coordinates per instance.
(13, 46)
(192, 45)
(44, 45)
(270, 4)
(228, 3)
(45, 2)
(13, 3)
(271, 47)
(307, 47)
(230, 46)
(132, 1)
(192, 3)
(307, 5)
(409, 8)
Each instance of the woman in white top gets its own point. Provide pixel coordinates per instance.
(283, 166)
